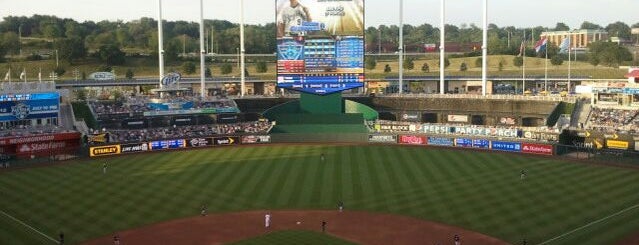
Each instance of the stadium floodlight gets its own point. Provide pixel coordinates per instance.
(242, 74)
(484, 47)
(160, 44)
(202, 51)
(442, 45)
(401, 46)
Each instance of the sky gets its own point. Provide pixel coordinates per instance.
(518, 13)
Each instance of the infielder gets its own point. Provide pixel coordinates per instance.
(267, 220)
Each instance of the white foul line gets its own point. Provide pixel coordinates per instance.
(28, 226)
(589, 224)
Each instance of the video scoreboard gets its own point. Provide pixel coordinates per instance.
(323, 52)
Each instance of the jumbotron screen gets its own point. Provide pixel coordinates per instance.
(320, 45)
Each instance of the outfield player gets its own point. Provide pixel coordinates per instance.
(322, 157)
(61, 235)
(267, 220)
(340, 205)
(104, 168)
(523, 174)
(203, 210)
(323, 226)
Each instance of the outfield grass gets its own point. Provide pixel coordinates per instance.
(475, 190)
(293, 238)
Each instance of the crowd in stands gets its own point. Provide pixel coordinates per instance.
(182, 132)
(614, 120)
(140, 104)
(24, 130)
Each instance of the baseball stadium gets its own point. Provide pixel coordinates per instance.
(324, 152)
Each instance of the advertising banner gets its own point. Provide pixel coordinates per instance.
(167, 144)
(436, 129)
(98, 138)
(411, 117)
(457, 118)
(133, 148)
(441, 141)
(482, 131)
(394, 128)
(104, 150)
(226, 140)
(537, 149)
(505, 146)
(51, 146)
(200, 142)
(39, 138)
(481, 143)
(636, 145)
(507, 120)
(541, 136)
(29, 106)
(463, 142)
(320, 45)
(412, 139)
(382, 138)
(256, 139)
(617, 144)
(102, 76)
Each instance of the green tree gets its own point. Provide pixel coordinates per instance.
(70, 49)
(561, 27)
(387, 68)
(370, 63)
(409, 64)
(556, 60)
(425, 67)
(10, 42)
(59, 71)
(188, 67)
(260, 67)
(207, 72)
(111, 55)
(608, 53)
(226, 68)
(129, 73)
(478, 62)
(590, 26)
(463, 67)
(518, 61)
(619, 29)
(446, 63)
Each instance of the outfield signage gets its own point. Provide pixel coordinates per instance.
(441, 141)
(102, 76)
(617, 144)
(636, 145)
(481, 143)
(463, 142)
(411, 117)
(226, 140)
(256, 139)
(541, 136)
(133, 148)
(457, 118)
(168, 144)
(200, 142)
(42, 146)
(104, 150)
(412, 140)
(191, 111)
(505, 146)
(39, 138)
(481, 131)
(382, 138)
(537, 149)
(394, 128)
(436, 129)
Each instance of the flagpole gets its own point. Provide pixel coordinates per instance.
(523, 71)
(546, 70)
(442, 45)
(401, 46)
(569, 48)
(484, 47)
(202, 52)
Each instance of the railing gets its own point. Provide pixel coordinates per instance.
(26, 87)
(477, 96)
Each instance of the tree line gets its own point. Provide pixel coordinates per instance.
(110, 41)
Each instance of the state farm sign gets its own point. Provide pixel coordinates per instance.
(412, 140)
(537, 149)
(41, 146)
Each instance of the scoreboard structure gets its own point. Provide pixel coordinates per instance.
(320, 46)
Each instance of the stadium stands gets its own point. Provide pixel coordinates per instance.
(123, 136)
(614, 120)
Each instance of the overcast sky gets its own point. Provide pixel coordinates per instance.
(518, 13)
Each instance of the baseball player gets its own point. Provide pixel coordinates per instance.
(61, 238)
(323, 226)
(203, 210)
(104, 168)
(523, 174)
(322, 157)
(116, 240)
(340, 205)
(267, 220)
(457, 240)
